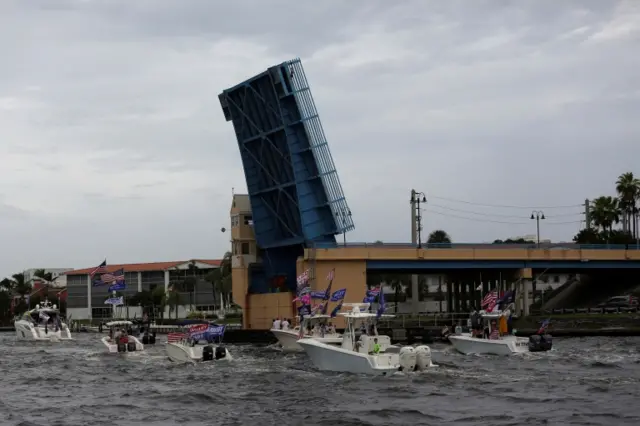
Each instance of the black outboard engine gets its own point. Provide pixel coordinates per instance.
(145, 339)
(540, 342)
(131, 346)
(207, 353)
(152, 338)
(221, 352)
(122, 347)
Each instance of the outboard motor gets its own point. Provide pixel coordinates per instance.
(207, 353)
(152, 338)
(131, 346)
(145, 339)
(540, 343)
(221, 352)
(423, 358)
(407, 359)
(122, 347)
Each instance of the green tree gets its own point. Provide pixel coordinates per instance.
(41, 273)
(159, 300)
(220, 279)
(605, 213)
(439, 237)
(20, 286)
(174, 301)
(628, 189)
(5, 306)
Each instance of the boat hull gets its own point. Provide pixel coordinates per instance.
(508, 345)
(333, 358)
(181, 353)
(27, 331)
(288, 339)
(112, 347)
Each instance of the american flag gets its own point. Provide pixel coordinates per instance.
(100, 269)
(111, 277)
(175, 337)
(490, 299)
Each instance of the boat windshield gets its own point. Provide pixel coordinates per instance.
(45, 318)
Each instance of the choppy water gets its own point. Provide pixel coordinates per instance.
(581, 382)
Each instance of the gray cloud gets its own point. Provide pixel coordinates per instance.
(110, 122)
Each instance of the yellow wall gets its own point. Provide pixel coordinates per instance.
(349, 274)
(264, 308)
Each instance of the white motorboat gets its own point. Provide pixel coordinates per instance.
(42, 323)
(197, 344)
(120, 340)
(314, 328)
(357, 351)
(486, 339)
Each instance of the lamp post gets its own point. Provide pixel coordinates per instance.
(344, 214)
(416, 199)
(537, 215)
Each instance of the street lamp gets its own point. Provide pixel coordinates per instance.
(344, 214)
(537, 215)
(416, 199)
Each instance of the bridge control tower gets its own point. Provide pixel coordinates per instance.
(293, 187)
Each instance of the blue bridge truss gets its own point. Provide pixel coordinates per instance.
(293, 185)
(296, 197)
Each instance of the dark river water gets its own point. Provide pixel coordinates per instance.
(593, 381)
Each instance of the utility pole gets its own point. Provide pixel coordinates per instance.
(587, 214)
(537, 215)
(416, 240)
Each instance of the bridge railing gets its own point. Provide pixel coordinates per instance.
(542, 246)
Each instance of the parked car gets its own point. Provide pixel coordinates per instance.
(620, 302)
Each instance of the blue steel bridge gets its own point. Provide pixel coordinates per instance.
(296, 197)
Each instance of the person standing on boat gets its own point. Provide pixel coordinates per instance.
(495, 332)
(285, 324)
(376, 347)
(277, 324)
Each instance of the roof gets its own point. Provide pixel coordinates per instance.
(145, 267)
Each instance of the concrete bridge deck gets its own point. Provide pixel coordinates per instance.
(469, 256)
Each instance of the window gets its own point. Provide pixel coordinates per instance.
(245, 248)
(248, 220)
(235, 221)
(556, 278)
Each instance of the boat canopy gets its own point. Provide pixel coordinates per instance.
(117, 323)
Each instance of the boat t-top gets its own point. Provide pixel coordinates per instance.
(363, 350)
(120, 338)
(487, 337)
(200, 341)
(42, 323)
(312, 327)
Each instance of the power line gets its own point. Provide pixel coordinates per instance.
(504, 205)
(475, 219)
(498, 214)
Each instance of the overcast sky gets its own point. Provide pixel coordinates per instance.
(113, 142)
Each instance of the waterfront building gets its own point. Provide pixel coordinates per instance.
(85, 301)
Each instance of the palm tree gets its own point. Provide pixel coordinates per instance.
(6, 284)
(47, 277)
(439, 237)
(159, 300)
(606, 213)
(628, 189)
(174, 301)
(20, 286)
(220, 279)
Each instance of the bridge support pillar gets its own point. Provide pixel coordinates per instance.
(523, 286)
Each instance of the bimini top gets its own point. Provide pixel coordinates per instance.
(117, 323)
(360, 311)
(317, 316)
